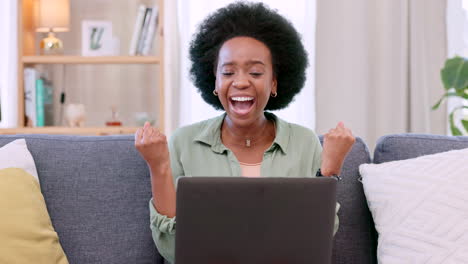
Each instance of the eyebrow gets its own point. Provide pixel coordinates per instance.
(250, 62)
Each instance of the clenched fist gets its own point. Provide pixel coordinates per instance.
(152, 146)
(336, 145)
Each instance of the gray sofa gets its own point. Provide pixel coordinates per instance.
(97, 191)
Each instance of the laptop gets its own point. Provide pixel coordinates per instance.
(234, 220)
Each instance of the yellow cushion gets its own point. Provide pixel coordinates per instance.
(26, 231)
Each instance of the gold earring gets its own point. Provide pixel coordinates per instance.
(274, 94)
(215, 92)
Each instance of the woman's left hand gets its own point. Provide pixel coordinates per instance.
(336, 145)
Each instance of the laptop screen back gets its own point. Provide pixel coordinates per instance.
(255, 220)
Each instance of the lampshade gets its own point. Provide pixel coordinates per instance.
(53, 15)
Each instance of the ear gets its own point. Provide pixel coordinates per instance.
(274, 86)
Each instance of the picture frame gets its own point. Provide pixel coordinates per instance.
(96, 38)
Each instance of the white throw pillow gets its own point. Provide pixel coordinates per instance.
(16, 155)
(420, 208)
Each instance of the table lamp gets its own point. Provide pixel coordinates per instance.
(53, 16)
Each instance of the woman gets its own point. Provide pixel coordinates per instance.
(246, 59)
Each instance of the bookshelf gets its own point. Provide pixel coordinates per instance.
(77, 66)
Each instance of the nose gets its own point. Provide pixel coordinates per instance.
(241, 82)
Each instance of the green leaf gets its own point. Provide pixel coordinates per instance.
(465, 124)
(455, 130)
(462, 93)
(438, 103)
(447, 94)
(455, 73)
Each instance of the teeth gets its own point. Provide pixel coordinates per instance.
(242, 99)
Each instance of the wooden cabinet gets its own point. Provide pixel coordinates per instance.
(133, 84)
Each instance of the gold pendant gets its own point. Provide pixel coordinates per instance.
(247, 143)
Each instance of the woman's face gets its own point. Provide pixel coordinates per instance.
(244, 79)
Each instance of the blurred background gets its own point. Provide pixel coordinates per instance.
(374, 64)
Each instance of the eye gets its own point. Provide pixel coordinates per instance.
(227, 73)
(256, 74)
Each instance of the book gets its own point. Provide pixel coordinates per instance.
(40, 111)
(137, 29)
(30, 77)
(148, 40)
(144, 30)
(48, 102)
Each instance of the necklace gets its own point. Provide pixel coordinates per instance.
(249, 141)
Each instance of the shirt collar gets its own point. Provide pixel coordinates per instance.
(211, 133)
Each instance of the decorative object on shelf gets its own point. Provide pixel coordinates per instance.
(142, 117)
(114, 121)
(96, 38)
(53, 16)
(455, 78)
(75, 115)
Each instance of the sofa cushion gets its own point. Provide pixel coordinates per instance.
(26, 233)
(419, 206)
(407, 146)
(97, 191)
(355, 241)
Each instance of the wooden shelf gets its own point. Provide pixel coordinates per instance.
(147, 77)
(98, 131)
(90, 60)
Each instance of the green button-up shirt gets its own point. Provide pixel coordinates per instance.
(197, 150)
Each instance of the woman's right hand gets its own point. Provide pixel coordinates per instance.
(152, 146)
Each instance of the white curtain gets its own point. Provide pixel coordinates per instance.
(8, 64)
(172, 61)
(378, 66)
(185, 105)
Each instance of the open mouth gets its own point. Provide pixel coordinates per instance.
(242, 105)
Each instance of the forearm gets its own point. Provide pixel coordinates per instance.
(331, 167)
(163, 189)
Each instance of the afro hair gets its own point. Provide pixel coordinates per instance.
(257, 21)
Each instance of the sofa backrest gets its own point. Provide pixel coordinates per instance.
(97, 191)
(407, 146)
(98, 202)
(355, 241)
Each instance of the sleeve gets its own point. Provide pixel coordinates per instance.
(163, 233)
(317, 160)
(162, 227)
(317, 155)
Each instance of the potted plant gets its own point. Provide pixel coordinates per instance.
(455, 79)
